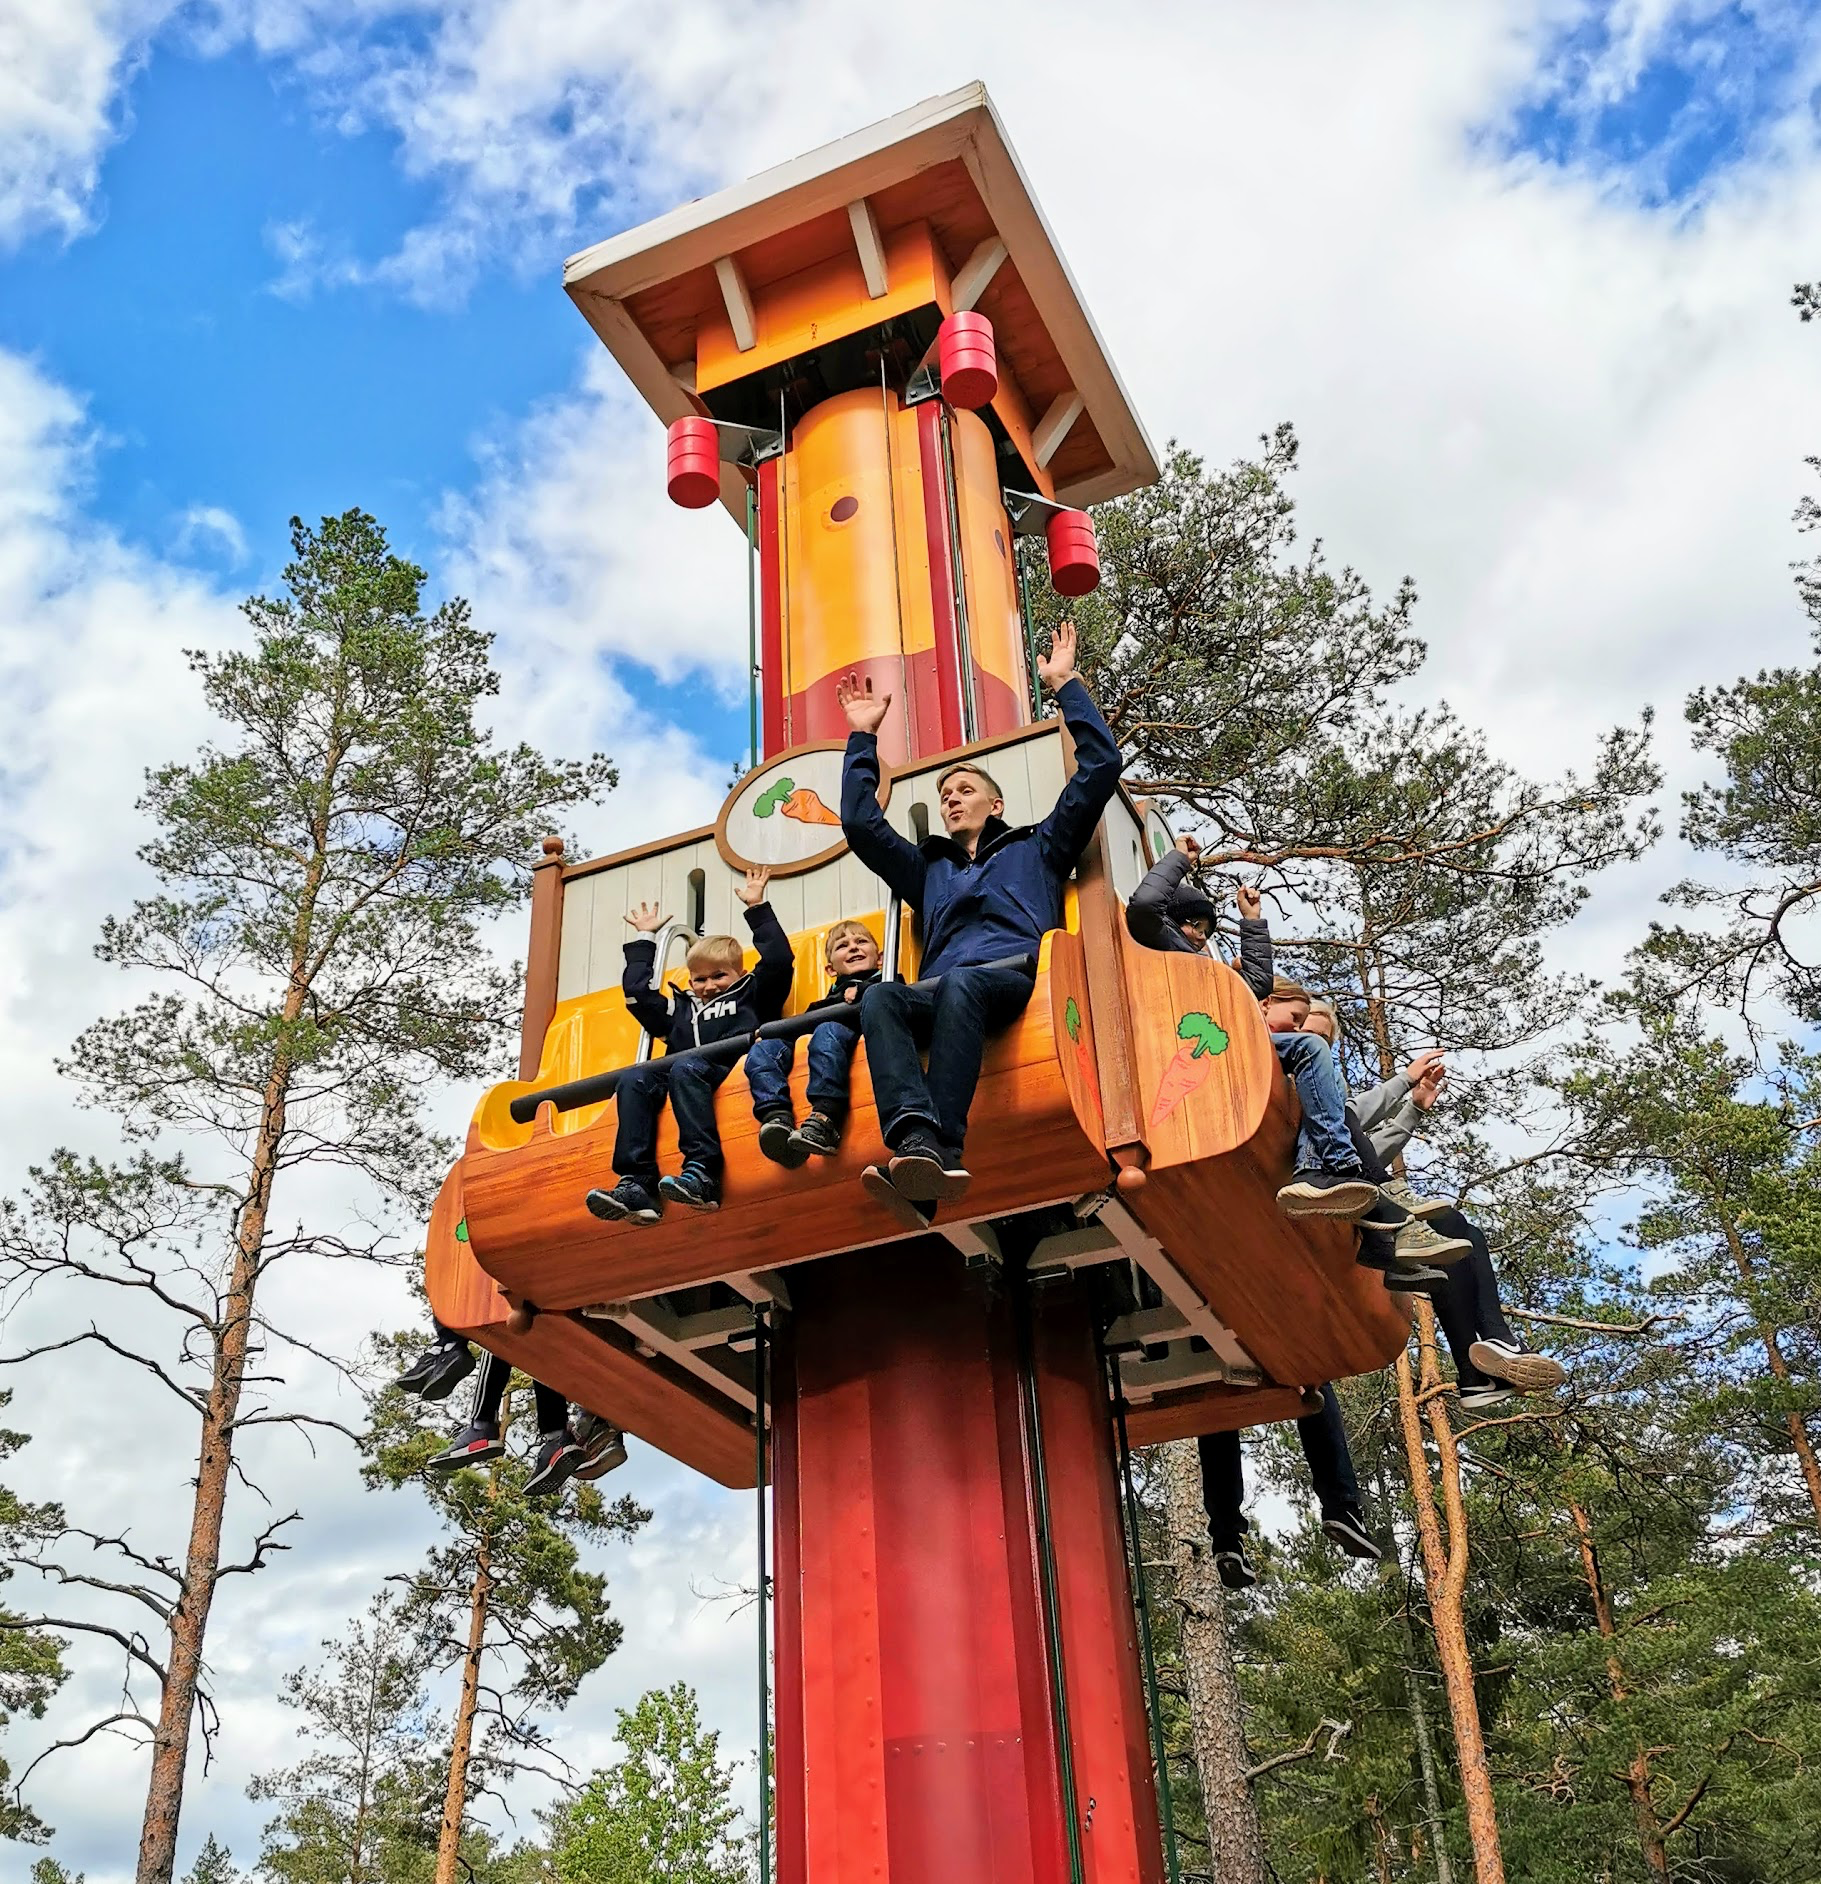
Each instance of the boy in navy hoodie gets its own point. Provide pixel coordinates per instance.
(723, 1000)
(986, 892)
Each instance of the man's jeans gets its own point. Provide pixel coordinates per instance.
(1223, 1485)
(1322, 1141)
(952, 1016)
(690, 1086)
(831, 1062)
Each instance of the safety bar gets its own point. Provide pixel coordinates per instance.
(573, 1094)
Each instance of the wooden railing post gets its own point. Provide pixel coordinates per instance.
(541, 955)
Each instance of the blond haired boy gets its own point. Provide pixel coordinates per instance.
(722, 1000)
(852, 959)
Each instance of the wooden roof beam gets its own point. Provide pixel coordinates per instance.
(976, 272)
(736, 297)
(1053, 427)
(872, 251)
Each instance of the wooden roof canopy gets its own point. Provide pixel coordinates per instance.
(673, 290)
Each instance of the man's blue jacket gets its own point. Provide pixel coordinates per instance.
(998, 902)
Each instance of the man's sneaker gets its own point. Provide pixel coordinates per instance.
(818, 1136)
(692, 1186)
(1234, 1568)
(1312, 1193)
(927, 1172)
(876, 1182)
(558, 1455)
(628, 1202)
(436, 1374)
(1347, 1526)
(1512, 1361)
(778, 1142)
(603, 1447)
(1420, 1207)
(473, 1445)
(1494, 1393)
(1417, 1243)
(1385, 1214)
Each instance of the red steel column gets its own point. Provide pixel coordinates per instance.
(915, 1735)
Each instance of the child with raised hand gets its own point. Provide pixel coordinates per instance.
(852, 958)
(722, 1000)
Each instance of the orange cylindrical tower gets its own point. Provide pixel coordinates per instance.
(885, 550)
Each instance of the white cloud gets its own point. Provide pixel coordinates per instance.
(207, 529)
(62, 66)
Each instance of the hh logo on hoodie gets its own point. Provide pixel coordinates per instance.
(722, 1007)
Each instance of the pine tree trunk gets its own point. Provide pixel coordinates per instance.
(189, 1622)
(455, 1796)
(1216, 1720)
(1419, 1720)
(1637, 1774)
(189, 1625)
(1779, 1367)
(1445, 1579)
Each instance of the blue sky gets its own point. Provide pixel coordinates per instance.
(1518, 271)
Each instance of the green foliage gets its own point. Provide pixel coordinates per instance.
(363, 1804)
(214, 1864)
(663, 1813)
(49, 1871)
(31, 1657)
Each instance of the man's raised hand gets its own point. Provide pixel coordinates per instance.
(865, 709)
(1057, 668)
(752, 891)
(648, 918)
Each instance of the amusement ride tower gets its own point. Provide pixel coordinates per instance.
(876, 361)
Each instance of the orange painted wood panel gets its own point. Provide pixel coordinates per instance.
(1198, 1410)
(590, 1364)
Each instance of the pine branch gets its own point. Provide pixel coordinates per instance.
(1336, 1730)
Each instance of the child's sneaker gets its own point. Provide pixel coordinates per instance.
(1346, 1524)
(603, 1447)
(473, 1445)
(692, 1186)
(558, 1455)
(1512, 1361)
(927, 1172)
(818, 1135)
(1493, 1393)
(1234, 1568)
(1313, 1193)
(628, 1202)
(876, 1182)
(1420, 1207)
(778, 1142)
(1416, 1242)
(436, 1374)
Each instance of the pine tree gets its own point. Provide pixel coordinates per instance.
(326, 872)
(363, 1803)
(663, 1813)
(31, 1659)
(214, 1864)
(503, 1598)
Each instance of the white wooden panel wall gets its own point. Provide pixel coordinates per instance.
(1125, 839)
(595, 906)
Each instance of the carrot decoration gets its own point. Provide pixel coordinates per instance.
(1204, 1039)
(1084, 1054)
(793, 801)
(807, 808)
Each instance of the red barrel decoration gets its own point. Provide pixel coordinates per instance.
(1074, 553)
(692, 463)
(968, 360)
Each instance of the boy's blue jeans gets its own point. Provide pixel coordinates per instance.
(1322, 1140)
(690, 1087)
(954, 1015)
(831, 1064)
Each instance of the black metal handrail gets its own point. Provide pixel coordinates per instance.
(573, 1094)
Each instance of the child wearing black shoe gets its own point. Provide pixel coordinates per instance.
(586, 1450)
(852, 958)
(723, 999)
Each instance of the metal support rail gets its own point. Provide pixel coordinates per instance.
(760, 1357)
(597, 1087)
